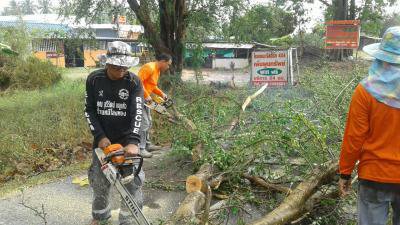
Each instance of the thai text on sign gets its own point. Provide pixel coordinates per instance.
(342, 34)
(270, 67)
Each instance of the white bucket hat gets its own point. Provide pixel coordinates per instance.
(119, 54)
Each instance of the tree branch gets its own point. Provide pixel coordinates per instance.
(325, 2)
(143, 15)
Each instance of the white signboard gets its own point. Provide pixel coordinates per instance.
(270, 67)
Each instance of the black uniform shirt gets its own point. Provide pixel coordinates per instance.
(114, 108)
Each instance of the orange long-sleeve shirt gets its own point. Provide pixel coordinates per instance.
(149, 74)
(372, 137)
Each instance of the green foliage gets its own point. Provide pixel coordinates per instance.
(31, 73)
(315, 38)
(25, 7)
(45, 6)
(285, 41)
(28, 7)
(18, 38)
(283, 135)
(261, 23)
(390, 21)
(12, 9)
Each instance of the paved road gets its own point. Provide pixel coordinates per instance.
(67, 204)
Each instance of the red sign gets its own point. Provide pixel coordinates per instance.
(342, 34)
(121, 20)
(52, 55)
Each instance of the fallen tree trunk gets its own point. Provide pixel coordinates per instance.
(294, 205)
(198, 181)
(260, 182)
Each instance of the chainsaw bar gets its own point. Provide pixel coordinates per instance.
(113, 176)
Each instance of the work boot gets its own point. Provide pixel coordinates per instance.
(145, 154)
(152, 147)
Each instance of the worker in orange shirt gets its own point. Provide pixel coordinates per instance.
(149, 74)
(372, 135)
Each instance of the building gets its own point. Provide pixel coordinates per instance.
(67, 43)
(222, 55)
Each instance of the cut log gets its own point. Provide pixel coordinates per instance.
(198, 181)
(269, 186)
(189, 208)
(294, 205)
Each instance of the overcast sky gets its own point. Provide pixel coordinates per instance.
(315, 14)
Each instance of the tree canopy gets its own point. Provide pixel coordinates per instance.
(261, 23)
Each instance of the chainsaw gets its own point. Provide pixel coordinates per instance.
(160, 105)
(120, 170)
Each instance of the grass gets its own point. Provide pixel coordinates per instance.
(34, 123)
(82, 72)
(34, 120)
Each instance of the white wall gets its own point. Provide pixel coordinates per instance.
(226, 63)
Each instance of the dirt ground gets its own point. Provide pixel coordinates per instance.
(241, 77)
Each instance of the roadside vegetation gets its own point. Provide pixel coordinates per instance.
(282, 136)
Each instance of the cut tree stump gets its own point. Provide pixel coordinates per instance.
(294, 205)
(198, 181)
(197, 188)
(189, 208)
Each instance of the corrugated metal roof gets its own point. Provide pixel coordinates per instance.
(43, 18)
(227, 45)
(53, 22)
(123, 27)
(36, 26)
(69, 21)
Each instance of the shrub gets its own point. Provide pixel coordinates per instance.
(31, 73)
